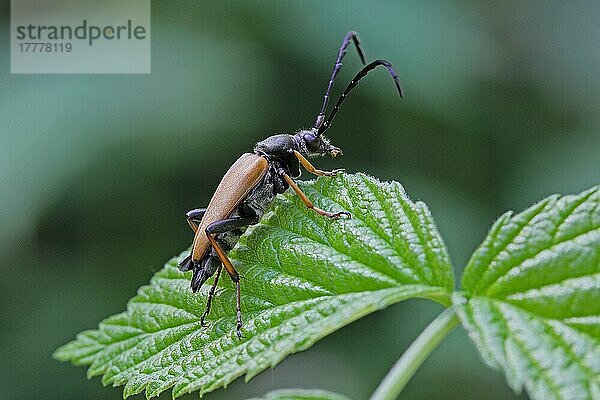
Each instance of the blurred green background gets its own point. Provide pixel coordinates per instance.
(97, 171)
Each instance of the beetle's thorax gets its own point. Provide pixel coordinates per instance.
(279, 151)
(276, 147)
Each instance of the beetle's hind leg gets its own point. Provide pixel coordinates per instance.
(193, 217)
(223, 226)
(211, 293)
(202, 271)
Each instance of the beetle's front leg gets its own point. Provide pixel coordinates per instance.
(309, 203)
(311, 168)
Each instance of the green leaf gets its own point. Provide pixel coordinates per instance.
(304, 277)
(301, 394)
(532, 297)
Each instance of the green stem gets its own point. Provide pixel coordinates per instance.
(411, 360)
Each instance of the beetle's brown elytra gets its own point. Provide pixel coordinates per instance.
(245, 173)
(254, 179)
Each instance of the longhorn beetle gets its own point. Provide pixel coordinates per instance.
(252, 182)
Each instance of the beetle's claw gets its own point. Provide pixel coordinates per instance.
(239, 333)
(239, 325)
(344, 214)
(333, 172)
(337, 215)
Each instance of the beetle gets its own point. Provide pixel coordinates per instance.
(254, 179)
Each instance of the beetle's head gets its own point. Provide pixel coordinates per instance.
(309, 143)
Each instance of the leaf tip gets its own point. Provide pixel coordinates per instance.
(61, 353)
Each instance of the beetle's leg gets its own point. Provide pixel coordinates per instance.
(223, 226)
(211, 293)
(194, 217)
(311, 168)
(310, 204)
(235, 277)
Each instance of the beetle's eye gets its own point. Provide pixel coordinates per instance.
(312, 142)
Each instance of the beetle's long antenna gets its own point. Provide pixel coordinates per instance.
(361, 74)
(336, 68)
